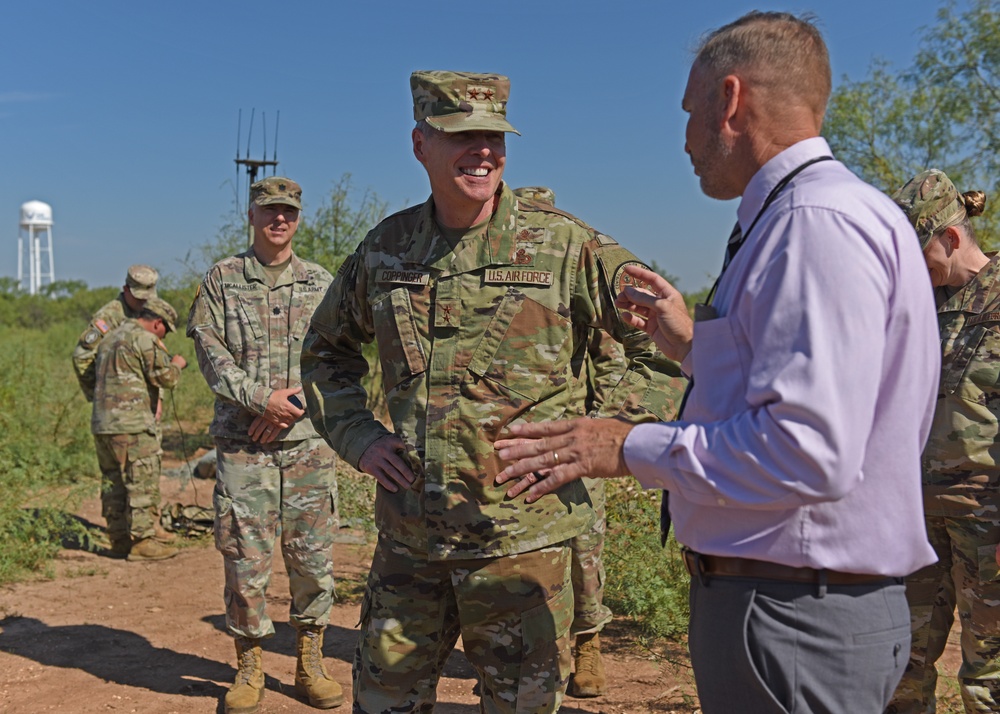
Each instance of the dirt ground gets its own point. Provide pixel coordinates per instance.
(106, 635)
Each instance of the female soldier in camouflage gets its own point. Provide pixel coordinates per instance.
(960, 463)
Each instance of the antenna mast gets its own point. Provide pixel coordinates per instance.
(254, 165)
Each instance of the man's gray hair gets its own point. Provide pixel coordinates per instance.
(778, 51)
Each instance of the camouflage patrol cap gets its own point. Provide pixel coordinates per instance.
(461, 101)
(141, 281)
(276, 189)
(931, 202)
(161, 308)
(542, 194)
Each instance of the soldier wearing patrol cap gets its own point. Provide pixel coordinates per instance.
(131, 368)
(961, 474)
(276, 477)
(140, 285)
(480, 305)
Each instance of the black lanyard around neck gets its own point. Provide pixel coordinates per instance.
(738, 237)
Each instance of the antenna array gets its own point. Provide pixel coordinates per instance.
(253, 166)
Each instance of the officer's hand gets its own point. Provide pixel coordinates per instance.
(179, 361)
(281, 411)
(661, 314)
(385, 460)
(159, 409)
(264, 431)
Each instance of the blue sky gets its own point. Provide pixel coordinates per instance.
(123, 115)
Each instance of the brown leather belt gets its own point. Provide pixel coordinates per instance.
(699, 565)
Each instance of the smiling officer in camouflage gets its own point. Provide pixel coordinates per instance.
(481, 306)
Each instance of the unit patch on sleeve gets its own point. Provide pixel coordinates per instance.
(622, 280)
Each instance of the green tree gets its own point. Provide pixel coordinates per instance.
(941, 112)
(342, 220)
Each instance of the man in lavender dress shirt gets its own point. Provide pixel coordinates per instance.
(794, 471)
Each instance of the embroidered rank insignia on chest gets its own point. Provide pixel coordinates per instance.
(102, 326)
(406, 277)
(518, 276)
(623, 280)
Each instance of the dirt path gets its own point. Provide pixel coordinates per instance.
(106, 635)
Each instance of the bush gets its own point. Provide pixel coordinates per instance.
(46, 447)
(645, 582)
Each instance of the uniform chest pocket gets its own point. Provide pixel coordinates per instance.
(400, 352)
(523, 345)
(243, 327)
(972, 370)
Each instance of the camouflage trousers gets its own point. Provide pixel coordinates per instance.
(586, 552)
(281, 490)
(513, 613)
(965, 575)
(130, 485)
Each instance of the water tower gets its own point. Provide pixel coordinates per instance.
(34, 240)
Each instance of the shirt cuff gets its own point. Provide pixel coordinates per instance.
(261, 395)
(646, 450)
(687, 364)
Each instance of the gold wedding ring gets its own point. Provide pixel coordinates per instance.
(555, 457)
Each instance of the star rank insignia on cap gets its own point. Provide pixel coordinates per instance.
(479, 93)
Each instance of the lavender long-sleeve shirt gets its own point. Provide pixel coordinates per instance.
(813, 388)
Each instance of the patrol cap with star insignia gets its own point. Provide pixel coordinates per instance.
(141, 281)
(461, 101)
(163, 309)
(276, 189)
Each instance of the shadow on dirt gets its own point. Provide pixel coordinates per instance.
(115, 656)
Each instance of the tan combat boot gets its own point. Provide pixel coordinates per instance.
(588, 677)
(245, 695)
(162, 534)
(311, 679)
(150, 549)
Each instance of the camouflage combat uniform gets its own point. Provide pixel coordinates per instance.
(104, 320)
(248, 338)
(132, 366)
(962, 505)
(471, 337)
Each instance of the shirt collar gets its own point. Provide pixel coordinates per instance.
(253, 270)
(426, 244)
(978, 292)
(768, 175)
